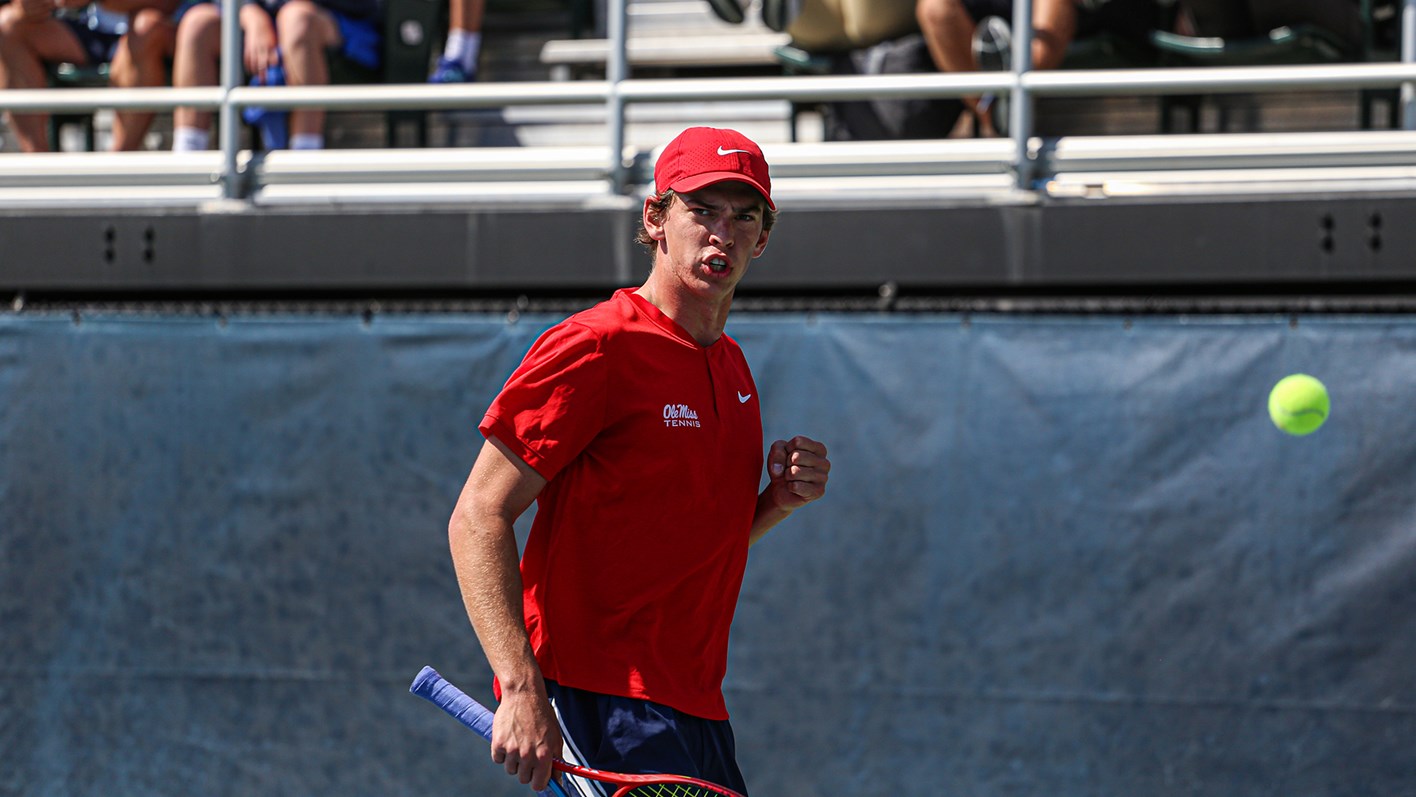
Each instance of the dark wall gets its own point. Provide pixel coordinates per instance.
(1062, 555)
(1160, 244)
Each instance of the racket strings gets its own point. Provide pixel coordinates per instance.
(672, 790)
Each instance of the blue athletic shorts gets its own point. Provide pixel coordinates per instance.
(363, 36)
(98, 44)
(622, 734)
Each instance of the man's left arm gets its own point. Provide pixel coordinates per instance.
(797, 471)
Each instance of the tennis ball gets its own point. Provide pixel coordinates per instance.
(1298, 404)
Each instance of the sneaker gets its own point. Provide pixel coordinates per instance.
(727, 10)
(448, 71)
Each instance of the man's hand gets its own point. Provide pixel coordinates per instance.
(526, 737)
(797, 470)
(260, 50)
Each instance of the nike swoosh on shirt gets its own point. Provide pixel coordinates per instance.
(743, 399)
(722, 151)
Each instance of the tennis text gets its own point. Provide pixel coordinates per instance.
(679, 415)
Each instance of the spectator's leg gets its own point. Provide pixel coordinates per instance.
(26, 45)
(949, 25)
(458, 63)
(1054, 27)
(196, 62)
(305, 31)
(140, 62)
(948, 29)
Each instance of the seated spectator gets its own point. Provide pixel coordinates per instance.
(288, 38)
(132, 36)
(960, 41)
(458, 63)
(865, 37)
(141, 62)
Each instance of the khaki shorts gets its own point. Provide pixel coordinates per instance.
(824, 26)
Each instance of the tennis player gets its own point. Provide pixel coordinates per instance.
(636, 427)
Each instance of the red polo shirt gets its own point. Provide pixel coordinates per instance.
(652, 447)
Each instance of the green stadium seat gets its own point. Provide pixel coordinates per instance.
(72, 76)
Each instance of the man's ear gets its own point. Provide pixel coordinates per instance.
(761, 243)
(651, 226)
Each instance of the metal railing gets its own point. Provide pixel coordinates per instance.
(1023, 157)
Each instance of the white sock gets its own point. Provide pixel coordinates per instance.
(190, 139)
(463, 46)
(307, 141)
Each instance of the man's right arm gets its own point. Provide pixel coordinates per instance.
(481, 534)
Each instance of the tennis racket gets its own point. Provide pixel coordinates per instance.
(436, 689)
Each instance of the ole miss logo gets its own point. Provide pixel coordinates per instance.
(680, 415)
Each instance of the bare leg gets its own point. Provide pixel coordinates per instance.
(1054, 26)
(466, 14)
(948, 32)
(305, 31)
(140, 62)
(198, 46)
(25, 46)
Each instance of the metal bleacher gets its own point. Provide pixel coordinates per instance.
(673, 35)
(522, 145)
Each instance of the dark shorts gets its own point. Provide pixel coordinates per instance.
(622, 734)
(362, 36)
(98, 45)
(363, 39)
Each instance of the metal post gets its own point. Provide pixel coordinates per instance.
(616, 70)
(1020, 109)
(1408, 56)
(229, 117)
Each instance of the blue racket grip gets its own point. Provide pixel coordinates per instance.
(434, 688)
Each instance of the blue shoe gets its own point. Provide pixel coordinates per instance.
(448, 71)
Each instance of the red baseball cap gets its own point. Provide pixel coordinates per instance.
(701, 156)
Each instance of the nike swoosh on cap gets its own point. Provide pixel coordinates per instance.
(722, 151)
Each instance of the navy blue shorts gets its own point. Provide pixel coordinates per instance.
(622, 734)
(362, 36)
(99, 45)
